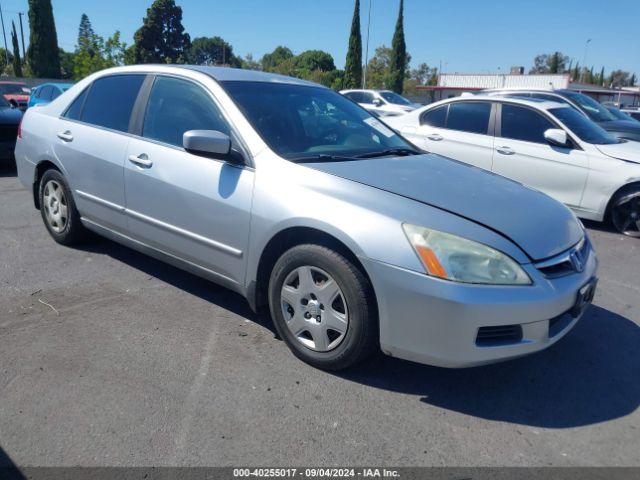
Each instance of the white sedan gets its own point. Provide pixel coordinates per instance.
(545, 145)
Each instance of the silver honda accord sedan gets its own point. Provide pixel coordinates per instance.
(300, 200)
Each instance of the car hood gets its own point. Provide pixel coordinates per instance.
(629, 150)
(10, 116)
(621, 126)
(539, 225)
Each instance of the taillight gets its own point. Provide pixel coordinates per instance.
(20, 128)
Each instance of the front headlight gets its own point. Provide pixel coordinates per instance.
(460, 260)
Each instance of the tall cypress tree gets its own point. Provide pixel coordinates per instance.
(398, 54)
(43, 53)
(17, 62)
(601, 78)
(353, 64)
(162, 38)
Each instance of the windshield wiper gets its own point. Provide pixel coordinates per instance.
(396, 152)
(323, 157)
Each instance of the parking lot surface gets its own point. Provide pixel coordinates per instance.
(108, 357)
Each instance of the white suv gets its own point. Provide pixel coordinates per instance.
(546, 145)
(384, 103)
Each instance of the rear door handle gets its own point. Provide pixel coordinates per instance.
(435, 137)
(65, 136)
(141, 160)
(505, 150)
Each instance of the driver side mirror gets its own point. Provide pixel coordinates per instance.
(556, 137)
(210, 143)
(377, 102)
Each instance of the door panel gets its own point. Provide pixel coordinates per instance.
(189, 206)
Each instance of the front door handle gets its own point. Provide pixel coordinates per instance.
(505, 150)
(141, 160)
(435, 137)
(65, 136)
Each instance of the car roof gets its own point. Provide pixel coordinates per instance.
(55, 84)
(531, 102)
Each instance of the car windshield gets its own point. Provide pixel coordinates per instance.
(596, 111)
(620, 115)
(394, 98)
(11, 89)
(584, 128)
(302, 122)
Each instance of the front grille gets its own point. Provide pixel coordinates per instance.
(499, 335)
(8, 132)
(561, 265)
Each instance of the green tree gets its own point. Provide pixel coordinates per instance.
(3, 59)
(575, 75)
(87, 39)
(398, 54)
(93, 53)
(43, 54)
(67, 61)
(353, 63)
(312, 60)
(130, 55)
(555, 62)
(632, 82)
(379, 68)
(249, 63)
(601, 77)
(162, 38)
(17, 62)
(212, 51)
(280, 58)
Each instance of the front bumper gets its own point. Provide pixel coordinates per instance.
(433, 321)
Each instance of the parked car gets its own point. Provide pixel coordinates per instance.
(620, 115)
(633, 113)
(547, 145)
(381, 102)
(297, 198)
(47, 92)
(10, 117)
(16, 93)
(583, 103)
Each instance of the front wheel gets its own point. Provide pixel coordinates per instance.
(625, 213)
(323, 307)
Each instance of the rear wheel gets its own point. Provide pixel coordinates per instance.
(59, 211)
(323, 307)
(625, 213)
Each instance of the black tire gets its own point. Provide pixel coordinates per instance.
(361, 337)
(624, 211)
(73, 231)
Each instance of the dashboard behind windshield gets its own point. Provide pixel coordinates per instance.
(299, 121)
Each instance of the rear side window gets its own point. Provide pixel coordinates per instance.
(435, 118)
(177, 106)
(110, 101)
(75, 109)
(472, 117)
(520, 123)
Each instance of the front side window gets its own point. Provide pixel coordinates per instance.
(436, 117)
(45, 93)
(354, 96)
(367, 97)
(393, 97)
(177, 106)
(299, 121)
(521, 123)
(472, 117)
(584, 128)
(110, 101)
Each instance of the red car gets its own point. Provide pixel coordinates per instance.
(15, 93)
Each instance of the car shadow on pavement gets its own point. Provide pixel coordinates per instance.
(590, 376)
(8, 171)
(181, 279)
(8, 469)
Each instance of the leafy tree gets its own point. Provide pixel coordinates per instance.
(575, 75)
(379, 68)
(87, 39)
(353, 64)
(249, 63)
(312, 60)
(281, 58)
(555, 62)
(601, 77)
(17, 62)
(67, 60)
(162, 38)
(130, 55)
(212, 51)
(3, 59)
(399, 54)
(114, 51)
(93, 53)
(422, 75)
(632, 82)
(620, 78)
(43, 54)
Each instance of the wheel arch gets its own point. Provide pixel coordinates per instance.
(284, 240)
(627, 187)
(41, 167)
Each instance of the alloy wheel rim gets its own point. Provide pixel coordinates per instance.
(55, 206)
(314, 308)
(626, 217)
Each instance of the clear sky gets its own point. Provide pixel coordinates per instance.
(465, 35)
